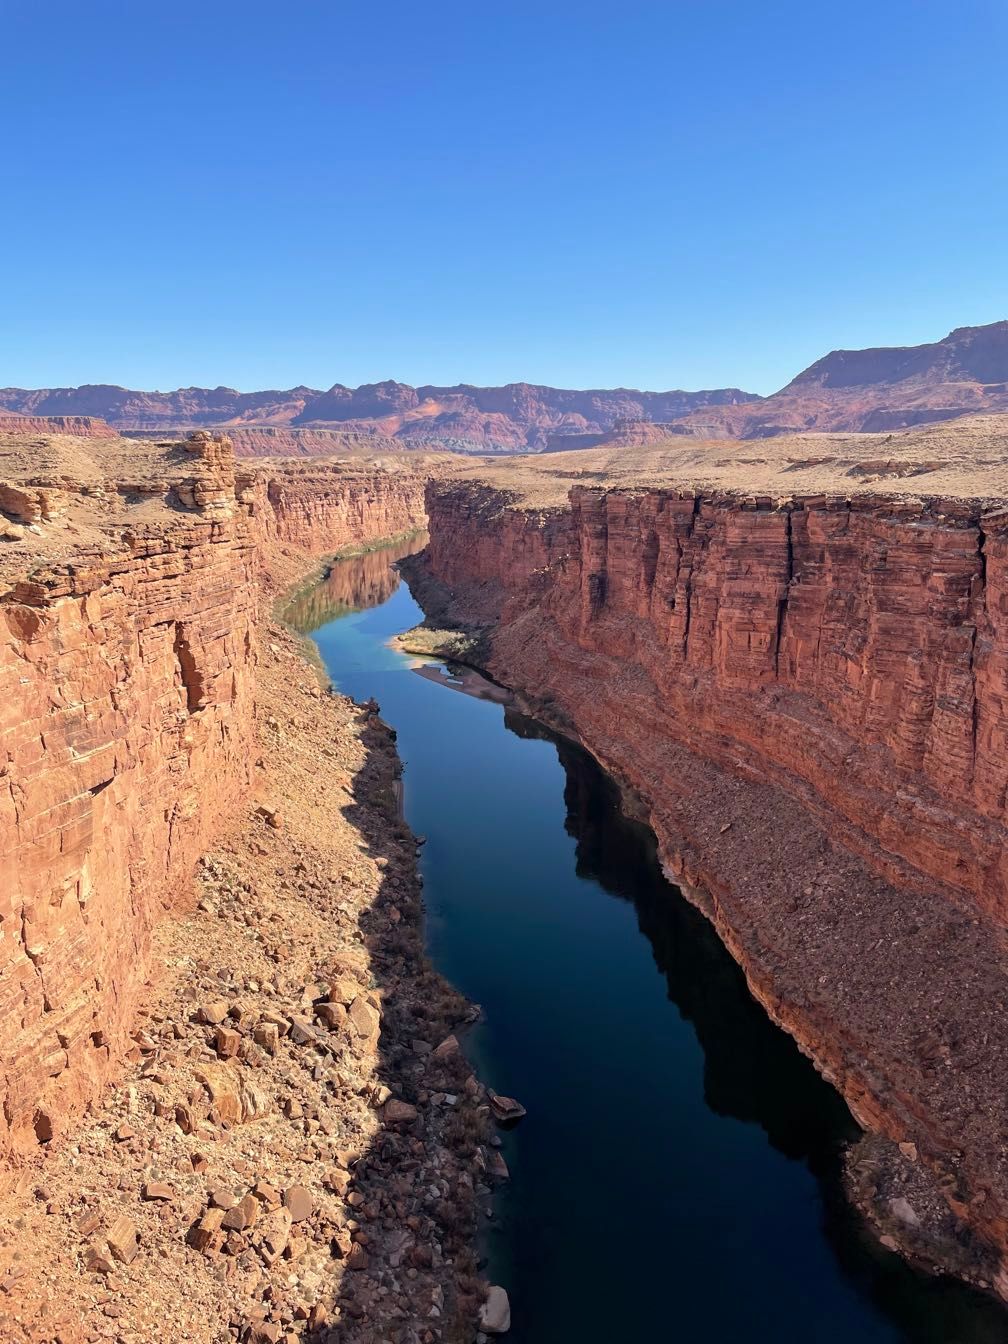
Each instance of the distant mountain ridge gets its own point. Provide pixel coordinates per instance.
(883, 388)
(515, 417)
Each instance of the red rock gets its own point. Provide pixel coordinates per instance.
(505, 1109)
(243, 1214)
(267, 1036)
(114, 791)
(333, 1015)
(364, 1019)
(298, 1203)
(343, 991)
(358, 1257)
(829, 673)
(98, 1261)
(227, 1042)
(206, 1234)
(398, 1112)
(266, 1193)
(157, 1190)
(122, 1240)
(338, 1180)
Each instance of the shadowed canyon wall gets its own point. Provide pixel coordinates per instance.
(810, 699)
(127, 735)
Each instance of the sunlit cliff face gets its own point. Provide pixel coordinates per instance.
(808, 697)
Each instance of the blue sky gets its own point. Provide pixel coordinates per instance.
(585, 194)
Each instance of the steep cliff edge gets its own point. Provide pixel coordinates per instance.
(128, 589)
(809, 696)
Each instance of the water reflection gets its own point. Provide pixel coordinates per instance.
(752, 1071)
(354, 584)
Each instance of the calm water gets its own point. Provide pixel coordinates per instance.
(676, 1175)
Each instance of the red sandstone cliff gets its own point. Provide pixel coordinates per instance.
(811, 698)
(80, 426)
(127, 727)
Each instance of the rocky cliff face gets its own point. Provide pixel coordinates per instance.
(127, 731)
(321, 510)
(80, 426)
(811, 699)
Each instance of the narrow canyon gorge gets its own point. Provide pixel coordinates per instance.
(806, 696)
(129, 728)
(804, 692)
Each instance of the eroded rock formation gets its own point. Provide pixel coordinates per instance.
(127, 726)
(810, 697)
(81, 426)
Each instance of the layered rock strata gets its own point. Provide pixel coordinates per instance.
(265, 1170)
(127, 726)
(810, 698)
(81, 426)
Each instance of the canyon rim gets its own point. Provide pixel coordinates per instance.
(503, 674)
(791, 659)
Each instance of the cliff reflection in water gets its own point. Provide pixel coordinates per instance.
(753, 1071)
(365, 582)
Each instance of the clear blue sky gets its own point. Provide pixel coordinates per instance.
(652, 194)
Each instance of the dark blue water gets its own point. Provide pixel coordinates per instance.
(677, 1175)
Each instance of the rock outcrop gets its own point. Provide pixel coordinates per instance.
(127, 724)
(809, 695)
(80, 426)
(321, 510)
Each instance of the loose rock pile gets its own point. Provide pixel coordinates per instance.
(300, 1151)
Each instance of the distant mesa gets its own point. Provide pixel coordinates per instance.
(82, 426)
(880, 389)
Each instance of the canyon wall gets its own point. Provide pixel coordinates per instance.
(127, 735)
(859, 651)
(321, 509)
(810, 698)
(80, 426)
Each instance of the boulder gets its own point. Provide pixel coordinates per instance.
(224, 1088)
(122, 1240)
(298, 1203)
(399, 1112)
(364, 1019)
(505, 1109)
(495, 1313)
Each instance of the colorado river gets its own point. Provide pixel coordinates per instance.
(677, 1175)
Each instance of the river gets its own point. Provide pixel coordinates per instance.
(677, 1174)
